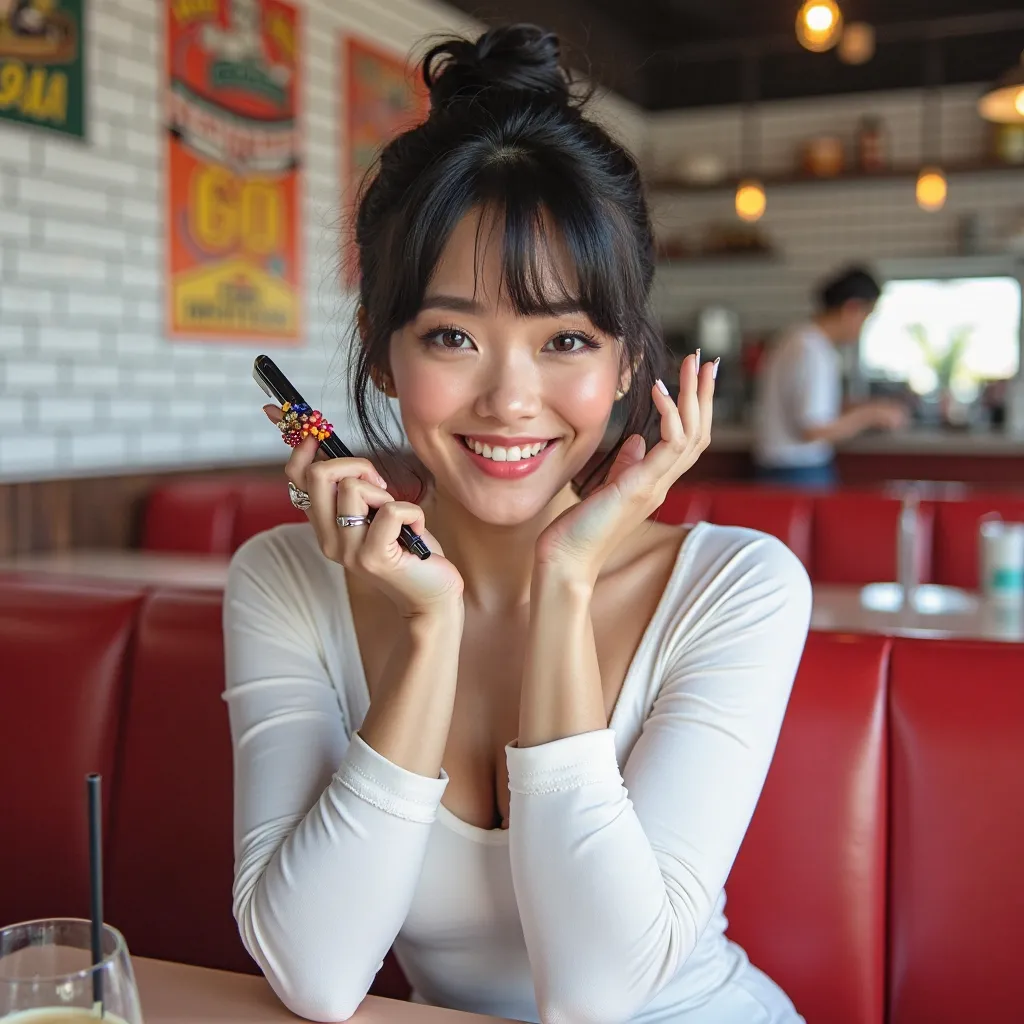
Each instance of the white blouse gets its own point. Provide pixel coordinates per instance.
(603, 900)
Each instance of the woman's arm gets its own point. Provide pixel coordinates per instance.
(616, 877)
(329, 833)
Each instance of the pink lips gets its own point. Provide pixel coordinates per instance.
(507, 470)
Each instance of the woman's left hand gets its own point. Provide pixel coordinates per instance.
(577, 543)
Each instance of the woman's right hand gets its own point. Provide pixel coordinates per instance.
(352, 487)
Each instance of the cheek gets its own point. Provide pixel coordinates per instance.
(584, 399)
(430, 393)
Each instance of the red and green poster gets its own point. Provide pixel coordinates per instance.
(383, 97)
(234, 164)
(41, 79)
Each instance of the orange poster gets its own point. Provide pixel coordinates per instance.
(234, 205)
(383, 97)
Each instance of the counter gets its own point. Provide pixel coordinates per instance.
(983, 457)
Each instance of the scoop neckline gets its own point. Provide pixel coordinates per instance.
(499, 836)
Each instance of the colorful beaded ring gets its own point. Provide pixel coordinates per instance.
(300, 421)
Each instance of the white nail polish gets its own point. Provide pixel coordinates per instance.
(697, 361)
(661, 386)
(714, 367)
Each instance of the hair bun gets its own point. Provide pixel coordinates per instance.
(517, 58)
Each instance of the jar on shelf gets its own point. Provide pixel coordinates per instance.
(872, 145)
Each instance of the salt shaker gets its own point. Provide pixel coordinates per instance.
(906, 548)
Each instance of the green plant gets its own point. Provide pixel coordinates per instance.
(942, 362)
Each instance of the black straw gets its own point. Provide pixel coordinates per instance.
(92, 785)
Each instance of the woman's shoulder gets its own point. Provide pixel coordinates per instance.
(285, 559)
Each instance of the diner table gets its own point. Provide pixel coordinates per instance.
(934, 611)
(173, 993)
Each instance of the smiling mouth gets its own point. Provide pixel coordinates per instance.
(514, 453)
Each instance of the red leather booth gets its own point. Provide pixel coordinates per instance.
(887, 844)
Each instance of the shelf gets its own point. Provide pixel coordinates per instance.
(740, 256)
(905, 173)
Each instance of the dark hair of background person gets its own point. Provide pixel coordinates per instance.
(506, 134)
(849, 284)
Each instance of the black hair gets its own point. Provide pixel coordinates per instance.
(506, 133)
(852, 283)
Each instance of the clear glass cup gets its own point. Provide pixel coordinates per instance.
(47, 975)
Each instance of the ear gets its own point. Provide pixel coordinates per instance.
(626, 378)
(383, 382)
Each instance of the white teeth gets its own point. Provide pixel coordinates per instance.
(515, 453)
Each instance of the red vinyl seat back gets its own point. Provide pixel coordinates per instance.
(957, 833)
(194, 516)
(683, 504)
(784, 514)
(262, 505)
(62, 653)
(806, 897)
(955, 550)
(855, 538)
(171, 857)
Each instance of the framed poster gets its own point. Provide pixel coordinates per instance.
(382, 97)
(41, 64)
(234, 170)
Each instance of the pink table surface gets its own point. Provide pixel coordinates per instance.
(180, 994)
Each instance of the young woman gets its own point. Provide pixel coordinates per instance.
(529, 760)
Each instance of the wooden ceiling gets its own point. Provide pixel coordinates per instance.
(665, 54)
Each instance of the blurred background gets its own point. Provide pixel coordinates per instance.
(145, 260)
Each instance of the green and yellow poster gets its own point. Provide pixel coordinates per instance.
(41, 79)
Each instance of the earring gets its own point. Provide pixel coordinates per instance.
(619, 394)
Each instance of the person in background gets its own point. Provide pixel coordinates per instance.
(798, 416)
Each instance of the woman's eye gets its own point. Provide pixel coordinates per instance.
(451, 338)
(569, 343)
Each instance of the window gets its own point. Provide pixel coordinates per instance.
(954, 333)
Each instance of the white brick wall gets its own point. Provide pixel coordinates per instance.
(88, 382)
(817, 227)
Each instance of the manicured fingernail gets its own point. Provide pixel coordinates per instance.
(697, 363)
(661, 386)
(714, 367)
(381, 482)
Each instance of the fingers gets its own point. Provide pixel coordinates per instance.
(273, 412)
(351, 486)
(380, 550)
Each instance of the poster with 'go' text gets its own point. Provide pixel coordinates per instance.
(234, 170)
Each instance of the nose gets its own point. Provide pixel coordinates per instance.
(511, 388)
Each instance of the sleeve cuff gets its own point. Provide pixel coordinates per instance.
(387, 786)
(564, 764)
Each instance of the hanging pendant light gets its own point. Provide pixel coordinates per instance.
(930, 190)
(819, 25)
(751, 200)
(1004, 101)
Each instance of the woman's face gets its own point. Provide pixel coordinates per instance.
(503, 410)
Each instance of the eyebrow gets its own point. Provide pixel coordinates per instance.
(461, 305)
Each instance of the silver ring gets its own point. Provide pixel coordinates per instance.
(300, 499)
(353, 520)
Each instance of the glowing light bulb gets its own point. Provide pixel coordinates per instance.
(931, 189)
(819, 18)
(819, 25)
(750, 200)
(1018, 102)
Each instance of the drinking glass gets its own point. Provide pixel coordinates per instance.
(47, 975)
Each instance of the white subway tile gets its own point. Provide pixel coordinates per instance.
(25, 300)
(50, 197)
(98, 449)
(21, 374)
(80, 165)
(69, 341)
(75, 235)
(27, 451)
(83, 304)
(14, 226)
(133, 411)
(95, 376)
(66, 410)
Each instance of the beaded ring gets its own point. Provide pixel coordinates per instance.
(300, 421)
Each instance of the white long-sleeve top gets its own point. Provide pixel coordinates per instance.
(603, 900)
